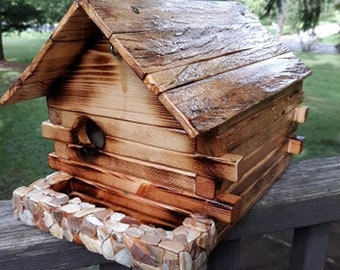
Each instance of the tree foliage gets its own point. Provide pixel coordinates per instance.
(19, 15)
(307, 12)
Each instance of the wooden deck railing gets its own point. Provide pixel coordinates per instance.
(306, 199)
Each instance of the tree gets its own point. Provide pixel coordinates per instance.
(16, 15)
(306, 15)
(19, 15)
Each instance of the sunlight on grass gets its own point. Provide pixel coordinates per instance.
(22, 47)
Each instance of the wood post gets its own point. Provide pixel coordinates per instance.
(310, 247)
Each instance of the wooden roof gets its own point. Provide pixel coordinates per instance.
(209, 62)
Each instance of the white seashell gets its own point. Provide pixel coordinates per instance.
(103, 233)
(40, 184)
(124, 257)
(48, 219)
(185, 261)
(134, 232)
(22, 191)
(90, 243)
(202, 241)
(170, 235)
(57, 177)
(117, 216)
(107, 249)
(60, 198)
(192, 234)
(173, 246)
(75, 200)
(66, 231)
(27, 218)
(92, 219)
(117, 226)
(87, 211)
(212, 237)
(70, 208)
(17, 203)
(56, 231)
(191, 223)
(85, 205)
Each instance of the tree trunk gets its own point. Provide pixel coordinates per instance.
(2, 55)
(280, 20)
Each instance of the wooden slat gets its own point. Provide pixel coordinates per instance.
(204, 105)
(196, 30)
(110, 165)
(131, 204)
(228, 167)
(164, 80)
(258, 169)
(162, 15)
(126, 186)
(168, 138)
(256, 129)
(178, 48)
(255, 191)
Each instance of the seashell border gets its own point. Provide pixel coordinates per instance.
(114, 235)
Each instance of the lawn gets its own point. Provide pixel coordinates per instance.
(23, 152)
(322, 95)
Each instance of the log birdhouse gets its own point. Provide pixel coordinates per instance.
(169, 120)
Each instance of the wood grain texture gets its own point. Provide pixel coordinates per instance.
(136, 194)
(104, 167)
(245, 136)
(168, 138)
(104, 85)
(206, 104)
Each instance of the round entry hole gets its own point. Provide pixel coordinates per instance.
(90, 134)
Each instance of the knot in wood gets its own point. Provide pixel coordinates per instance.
(134, 9)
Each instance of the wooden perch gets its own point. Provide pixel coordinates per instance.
(301, 114)
(295, 145)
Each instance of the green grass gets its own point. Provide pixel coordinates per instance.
(23, 47)
(322, 95)
(333, 39)
(23, 152)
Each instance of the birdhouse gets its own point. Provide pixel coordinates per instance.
(170, 119)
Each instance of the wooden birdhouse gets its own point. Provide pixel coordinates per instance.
(170, 119)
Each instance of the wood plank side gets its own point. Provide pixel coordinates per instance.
(254, 192)
(129, 201)
(257, 170)
(228, 167)
(258, 127)
(240, 93)
(172, 139)
(133, 188)
(161, 175)
(104, 85)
